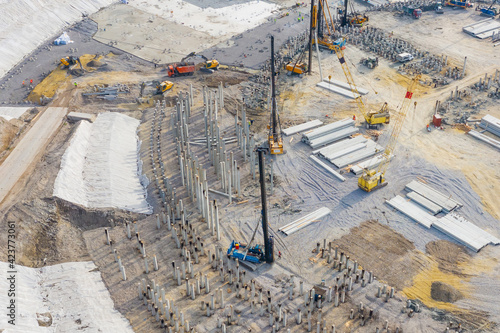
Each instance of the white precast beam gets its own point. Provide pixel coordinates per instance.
(332, 137)
(370, 150)
(327, 168)
(336, 89)
(326, 129)
(370, 164)
(345, 85)
(304, 221)
(484, 138)
(345, 151)
(412, 210)
(340, 145)
(433, 195)
(302, 127)
(424, 202)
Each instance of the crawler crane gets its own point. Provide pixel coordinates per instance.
(375, 179)
(373, 118)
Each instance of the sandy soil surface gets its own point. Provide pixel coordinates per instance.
(448, 160)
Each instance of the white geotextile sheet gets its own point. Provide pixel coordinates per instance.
(101, 168)
(26, 24)
(217, 18)
(73, 293)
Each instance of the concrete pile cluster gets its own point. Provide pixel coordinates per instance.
(398, 6)
(257, 93)
(455, 102)
(384, 45)
(347, 274)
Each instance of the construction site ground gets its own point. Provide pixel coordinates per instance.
(401, 253)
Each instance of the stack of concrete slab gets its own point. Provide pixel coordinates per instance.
(369, 164)
(485, 138)
(491, 124)
(425, 203)
(329, 133)
(412, 210)
(451, 224)
(337, 146)
(302, 127)
(341, 88)
(482, 29)
(465, 232)
(440, 199)
(370, 149)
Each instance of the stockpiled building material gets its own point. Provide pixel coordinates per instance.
(424, 202)
(326, 129)
(302, 127)
(304, 221)
(412, 210)
(371, 149)
(370, 164)
(433, 195)
(491, 124)
(327, 168)
(465, 232)
(325, 151)
(332, 137)
(485, 138)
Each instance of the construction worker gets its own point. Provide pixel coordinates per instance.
(279, 254)
(354, 117)
(31, 81)
(76, 85)
(23, 83)
(428, 128)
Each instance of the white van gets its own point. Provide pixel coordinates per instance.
(404, 57)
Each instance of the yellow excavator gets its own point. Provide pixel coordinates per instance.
(162, 87)
(206, 65)
(70, 62)
(373, 118)
(374, 179)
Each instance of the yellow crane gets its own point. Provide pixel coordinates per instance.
(371, 180)
(373, 118)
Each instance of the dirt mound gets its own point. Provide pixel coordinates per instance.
(95, 63)
(226, 77)
(448, 255)
(443, 292)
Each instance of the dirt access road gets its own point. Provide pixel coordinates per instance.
(29, 149)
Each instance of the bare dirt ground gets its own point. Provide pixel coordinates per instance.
(400, 252)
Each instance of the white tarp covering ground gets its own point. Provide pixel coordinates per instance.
(13, 112)
(26, 24)
(72, 293)
(101, 167)
(217, 18)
